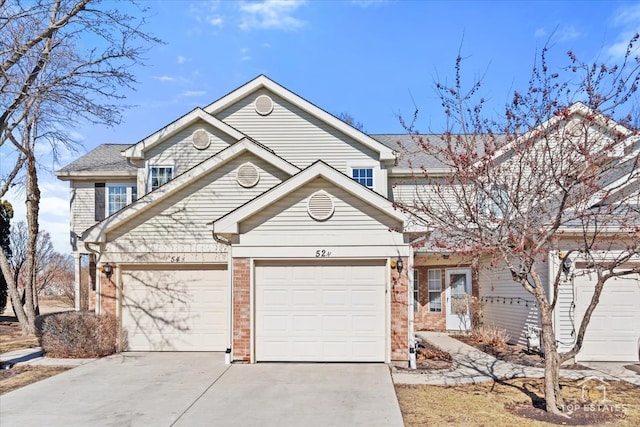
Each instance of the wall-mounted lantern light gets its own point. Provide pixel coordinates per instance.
(107, 270)
(399, 265)
(566, 264)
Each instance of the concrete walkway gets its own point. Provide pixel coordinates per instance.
(471, 366)
(33, 356)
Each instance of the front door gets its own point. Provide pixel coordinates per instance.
(458, 293)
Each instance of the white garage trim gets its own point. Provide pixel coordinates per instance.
(175, 307)
(320, 311)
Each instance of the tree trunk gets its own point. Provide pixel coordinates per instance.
(552, 394)
(14, 293)
(32, 211)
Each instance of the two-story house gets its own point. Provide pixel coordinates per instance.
(265, 225)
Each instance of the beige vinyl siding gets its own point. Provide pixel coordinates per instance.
(295, 135)
(287, 221)
(416, 192)
(178, 150)
(83, 203)
(565, 315)
(185, 218)
(504, 311)
(82, 206)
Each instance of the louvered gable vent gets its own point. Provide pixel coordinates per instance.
(247, 175)
(263, 105)
(320, 206)
(200, 139)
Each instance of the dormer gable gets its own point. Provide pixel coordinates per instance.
(137, 150)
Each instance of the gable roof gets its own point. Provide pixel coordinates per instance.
(229, 224)
(103, 161)
(137, 150)
(97, 232)
(262, 81)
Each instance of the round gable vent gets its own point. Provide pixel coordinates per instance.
(263, 105)
(320, 206)
(247, 175)
(201, 139)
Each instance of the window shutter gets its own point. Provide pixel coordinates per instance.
(100, 197)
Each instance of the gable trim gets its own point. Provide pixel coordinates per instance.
(97, 233)
(262, 81)
(137, 150)
(229, 224)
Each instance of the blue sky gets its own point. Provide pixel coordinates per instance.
(372, 59)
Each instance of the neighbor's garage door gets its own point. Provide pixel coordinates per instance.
(175, 308)
(320, 312)
(614, 329)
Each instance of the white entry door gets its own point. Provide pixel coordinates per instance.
(457, 293)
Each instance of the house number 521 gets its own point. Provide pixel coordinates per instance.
(322, 253)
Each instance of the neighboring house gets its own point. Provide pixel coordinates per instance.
(265, 225)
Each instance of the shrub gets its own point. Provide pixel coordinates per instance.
(490, 335)
(76, 334)
(476, 312)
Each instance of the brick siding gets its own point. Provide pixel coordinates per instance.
(241, 310)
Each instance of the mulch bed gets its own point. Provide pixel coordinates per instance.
(578, 414)
(512, 353)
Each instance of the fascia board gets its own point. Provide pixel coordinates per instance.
(96, 233)
(229, 224)
(86, 175)
(434, 172)
(385, 153)
(577, 108)
(136, 151)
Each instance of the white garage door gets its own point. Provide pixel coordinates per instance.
(320, 312)
(614, 329)
(171, 308)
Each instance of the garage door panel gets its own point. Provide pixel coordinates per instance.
(614, 328)
(331, 313)
(174, 309)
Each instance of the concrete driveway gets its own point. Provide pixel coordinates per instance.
(198, 389)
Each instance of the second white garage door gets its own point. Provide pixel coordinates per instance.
(614, 329)
(175, 308)
(320, 312)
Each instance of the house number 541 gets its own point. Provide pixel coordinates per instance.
(322, 253)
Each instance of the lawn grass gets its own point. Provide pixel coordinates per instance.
(486, 404)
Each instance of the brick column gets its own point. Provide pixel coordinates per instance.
(241, 309)
(400, 314)
(108, 293)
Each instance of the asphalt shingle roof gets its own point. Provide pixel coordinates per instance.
(105, 157)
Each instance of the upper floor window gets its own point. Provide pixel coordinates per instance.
(160, 175)
(494, 202)
(363, 175)
(119, 196)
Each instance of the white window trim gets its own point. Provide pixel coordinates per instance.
(129, 194)
(489, 201)
(416, 290)
(429, 291)
(159, 165)
(375, 170)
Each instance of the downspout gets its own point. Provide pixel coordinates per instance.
(98, 290)
(227, 243)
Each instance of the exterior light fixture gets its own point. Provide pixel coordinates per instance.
(107, 270)
(566, 264)
(399, 265)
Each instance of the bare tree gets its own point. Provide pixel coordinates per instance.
(62, 63)
(548, 174)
